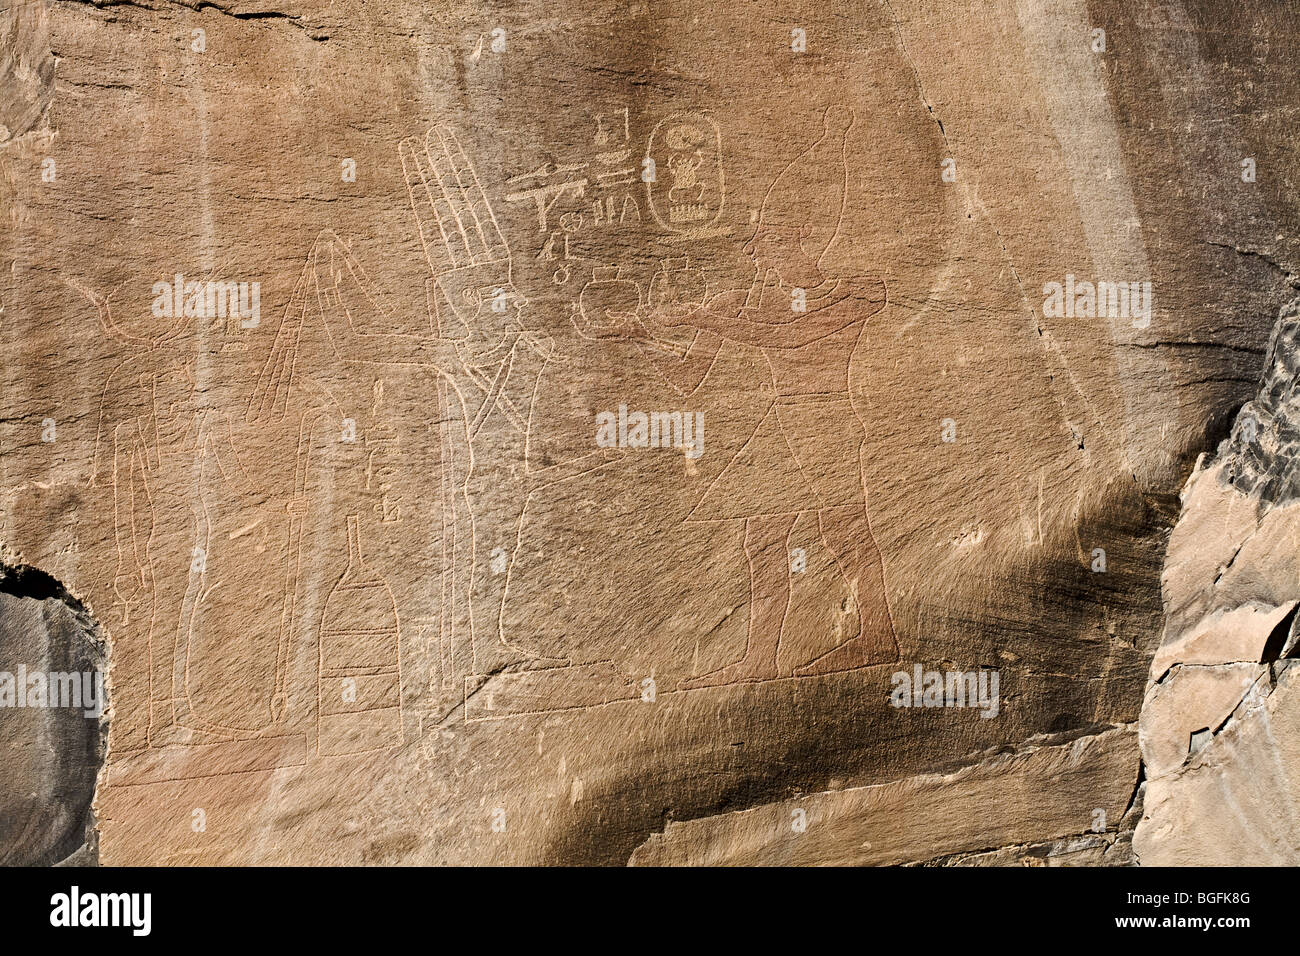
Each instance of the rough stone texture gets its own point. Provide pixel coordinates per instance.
(1044, 791)
(1233, 801)
(51, 756)
(373, 589)
(1217, 730)
(1091, 849)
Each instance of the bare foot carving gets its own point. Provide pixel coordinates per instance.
(741, 672)
(178, 735)
(850, 655)
(504, 656)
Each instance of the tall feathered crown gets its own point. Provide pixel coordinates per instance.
(810, 193)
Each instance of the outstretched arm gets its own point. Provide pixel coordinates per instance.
(344, 297)
(684, 372)
(865, 298)
(332, 293)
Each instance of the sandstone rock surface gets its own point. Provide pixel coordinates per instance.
(51, 755)
(1216, 729)
(520, 433)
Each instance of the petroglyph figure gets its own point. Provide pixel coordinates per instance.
(484, 362)
(193, 530)
(805, 455)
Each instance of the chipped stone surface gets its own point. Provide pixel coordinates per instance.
(1225, 636)
(389, 572)
(1089, 850)
(1040, 790)
(1191, 699)
(26, 69)
(1112, 846)
(51, 736)
(1233, 802)
(1215, 729)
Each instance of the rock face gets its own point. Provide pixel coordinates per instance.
(512, 434)
(1003, 800)
(53, 731)
(1218, 722)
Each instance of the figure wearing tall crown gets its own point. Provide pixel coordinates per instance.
(805, 455)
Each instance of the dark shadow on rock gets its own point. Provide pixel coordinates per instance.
(52, 730)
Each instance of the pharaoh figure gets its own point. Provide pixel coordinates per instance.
(805, 457)
(483, 357)
(193, 532)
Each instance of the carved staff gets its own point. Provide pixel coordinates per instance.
(297, 508)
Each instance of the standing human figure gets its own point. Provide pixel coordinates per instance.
(805, 456)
